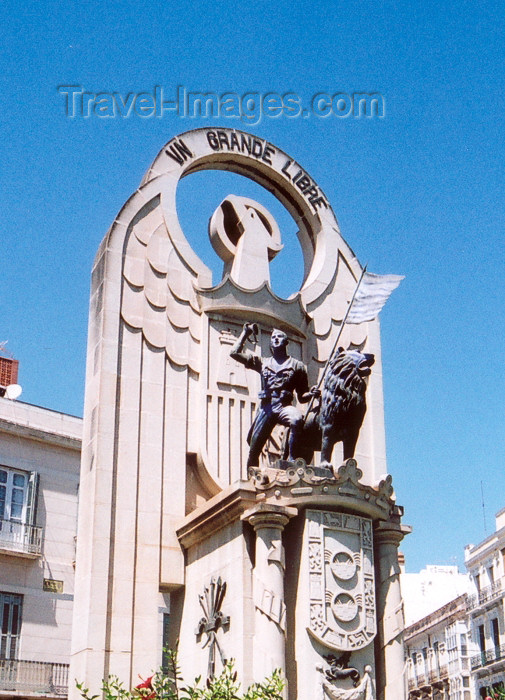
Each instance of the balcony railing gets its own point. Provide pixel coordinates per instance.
(17, 537)
(487, 657)
(33, 677)
(421, 679)
(485, 595)
(439, 673)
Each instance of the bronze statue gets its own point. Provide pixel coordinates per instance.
(343, 406)
(281, 377)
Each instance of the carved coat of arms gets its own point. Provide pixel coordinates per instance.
(341, 580)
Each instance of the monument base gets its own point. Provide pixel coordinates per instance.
(297, 569)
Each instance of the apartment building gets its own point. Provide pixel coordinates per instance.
(438, 649)
(39, 477)
(485, 563)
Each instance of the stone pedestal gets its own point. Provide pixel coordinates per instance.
(330, 617)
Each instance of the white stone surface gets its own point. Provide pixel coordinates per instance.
(306, 589)
(268, 521)
(224, 555)
(248, 261)
(390, 667)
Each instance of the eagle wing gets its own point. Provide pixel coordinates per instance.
(158, 287)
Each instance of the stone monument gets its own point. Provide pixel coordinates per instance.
(286, 543)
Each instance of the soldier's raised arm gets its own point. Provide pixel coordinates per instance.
(237, 352)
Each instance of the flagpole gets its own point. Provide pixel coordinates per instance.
(336, 341)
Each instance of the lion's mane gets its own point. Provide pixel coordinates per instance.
(343, 403)
(342, 407)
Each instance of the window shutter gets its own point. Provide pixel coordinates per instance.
(31, 501)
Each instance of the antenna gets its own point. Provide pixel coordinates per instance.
(483, 507)
(13, 391)
(4, 351)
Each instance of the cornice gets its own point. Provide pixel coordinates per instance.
(40, 435)
(297, 484)
(294, 485)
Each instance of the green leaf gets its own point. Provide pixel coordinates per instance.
(225, 686)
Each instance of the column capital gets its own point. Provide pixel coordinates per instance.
(269, 515)
(390, 533)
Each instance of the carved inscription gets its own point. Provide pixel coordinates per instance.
(239, 142)
(342, 593)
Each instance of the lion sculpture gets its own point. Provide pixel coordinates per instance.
(342, 406)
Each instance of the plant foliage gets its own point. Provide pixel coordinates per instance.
(167, 684)
(497, 692)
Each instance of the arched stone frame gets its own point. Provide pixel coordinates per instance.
(318, 229)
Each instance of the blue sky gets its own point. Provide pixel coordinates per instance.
(417, 192)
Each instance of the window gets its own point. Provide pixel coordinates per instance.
(482, 638)
(165, 642)
(10, 624)
(18, 504)
(495, 631)
(436, 656)
(18, 494)
(13, 488)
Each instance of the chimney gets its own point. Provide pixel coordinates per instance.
(8, 373)
(401, 562)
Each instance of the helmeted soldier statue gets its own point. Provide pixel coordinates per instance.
(281, 377)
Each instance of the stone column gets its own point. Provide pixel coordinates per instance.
(390, 661)
(269, 521)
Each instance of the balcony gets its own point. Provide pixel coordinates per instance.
(33, 677)
(423, 679)
(487, 657)
(20, 539)
(439, 673)
(419, 680)
(485, 595)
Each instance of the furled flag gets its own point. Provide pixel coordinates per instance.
(372, 294)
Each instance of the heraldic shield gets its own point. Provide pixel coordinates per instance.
(341, 576)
